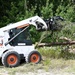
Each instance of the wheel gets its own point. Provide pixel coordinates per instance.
(34, 57)
(11, 59)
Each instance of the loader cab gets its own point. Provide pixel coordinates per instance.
(22, 39)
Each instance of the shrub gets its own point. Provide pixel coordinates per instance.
(56, 53)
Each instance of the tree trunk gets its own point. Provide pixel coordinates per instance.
(56, 43)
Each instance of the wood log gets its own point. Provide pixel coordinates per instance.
(56, 43)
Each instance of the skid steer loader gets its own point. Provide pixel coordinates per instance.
(14, 42)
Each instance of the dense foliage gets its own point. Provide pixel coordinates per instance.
(15, 10)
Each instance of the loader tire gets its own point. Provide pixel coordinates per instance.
(11, 59)
(34, 57)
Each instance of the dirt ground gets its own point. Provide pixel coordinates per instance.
(48, 67)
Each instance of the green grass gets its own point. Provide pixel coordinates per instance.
(46, 65)
(56, 52)
(54, 59)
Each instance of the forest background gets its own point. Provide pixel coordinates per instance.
(12, 11)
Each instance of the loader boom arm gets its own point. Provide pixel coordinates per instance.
(30, 21)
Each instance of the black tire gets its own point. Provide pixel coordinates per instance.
(34, 57)
(11, 59)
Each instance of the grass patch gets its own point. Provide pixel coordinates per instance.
(48, 65)
(51, 52)
(56, 53)
(54, 59)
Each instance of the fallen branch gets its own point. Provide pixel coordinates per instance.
(65, 38)
(56, 43)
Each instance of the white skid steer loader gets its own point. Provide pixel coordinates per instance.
(14, 42)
